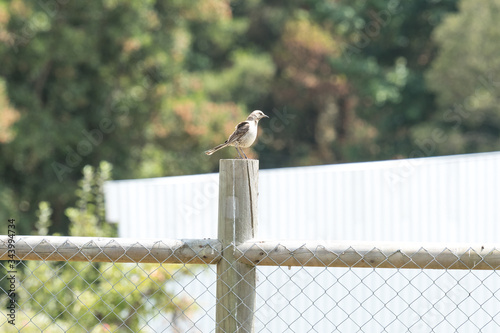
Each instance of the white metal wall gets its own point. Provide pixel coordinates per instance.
(440, 199)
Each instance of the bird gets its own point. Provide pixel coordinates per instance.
(244, 134)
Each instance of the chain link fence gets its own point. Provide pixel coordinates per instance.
(73, 284)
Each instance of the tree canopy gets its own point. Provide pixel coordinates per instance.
(149, 85)
(467, 118)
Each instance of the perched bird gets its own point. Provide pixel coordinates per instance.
(244, 135)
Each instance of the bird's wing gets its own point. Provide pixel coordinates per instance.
(240, 130)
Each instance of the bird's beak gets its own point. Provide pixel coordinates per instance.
(265, 116)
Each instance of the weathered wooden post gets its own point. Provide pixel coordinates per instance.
(238, 193)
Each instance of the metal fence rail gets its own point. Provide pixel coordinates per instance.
(68, 284)
(58, 248)
(255, 252)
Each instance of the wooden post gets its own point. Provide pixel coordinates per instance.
(238, 192)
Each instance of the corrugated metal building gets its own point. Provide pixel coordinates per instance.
(441, 199)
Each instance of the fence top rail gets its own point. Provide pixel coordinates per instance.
(254, 252)
(102, 249)
(370, 254)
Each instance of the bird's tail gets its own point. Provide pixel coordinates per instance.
(213, 150)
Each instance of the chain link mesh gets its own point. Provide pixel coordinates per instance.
(321, 292)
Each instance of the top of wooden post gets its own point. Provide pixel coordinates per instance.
(238, 180)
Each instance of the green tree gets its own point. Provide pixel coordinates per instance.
(112, 80)
(467, 92)
(95, 296)
(349, 75)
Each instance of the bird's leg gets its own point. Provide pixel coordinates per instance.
(238, 151)
(244, 153)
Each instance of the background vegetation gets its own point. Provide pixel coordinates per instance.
(149, 85)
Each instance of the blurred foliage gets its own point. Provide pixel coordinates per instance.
(150, 85)
(113, 80)
(101, 297)
(468, 93)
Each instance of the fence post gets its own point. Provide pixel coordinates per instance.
(238, 192)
